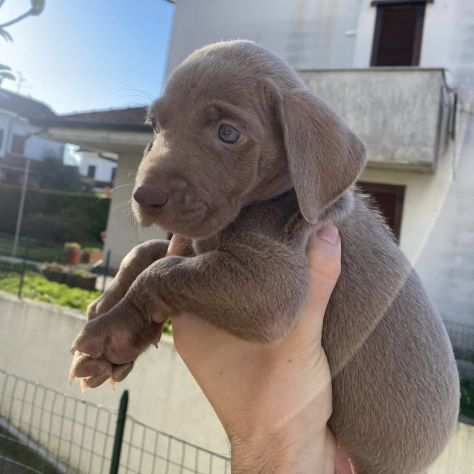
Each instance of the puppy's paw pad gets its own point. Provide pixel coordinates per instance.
(84, 366)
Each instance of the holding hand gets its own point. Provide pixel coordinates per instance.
(274, 400)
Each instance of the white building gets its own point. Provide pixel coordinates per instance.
(98, 167)
(399, 71)
(19, 138)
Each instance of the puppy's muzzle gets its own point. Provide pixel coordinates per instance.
(150, 198)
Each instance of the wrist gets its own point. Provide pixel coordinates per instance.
(304, 451)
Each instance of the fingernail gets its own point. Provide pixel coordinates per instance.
(329, 234)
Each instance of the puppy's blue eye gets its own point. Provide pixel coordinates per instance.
(229, 134)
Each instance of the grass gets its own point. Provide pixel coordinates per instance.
(36, 287)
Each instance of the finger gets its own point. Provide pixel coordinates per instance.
(177, 245)
(325, 265)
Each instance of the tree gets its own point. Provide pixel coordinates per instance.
(36, 8)
(6, 73)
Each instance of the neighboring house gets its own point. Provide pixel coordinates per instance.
(98, 168)
(400, 72)
(19, 138)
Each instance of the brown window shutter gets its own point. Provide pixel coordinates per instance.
(398, 34)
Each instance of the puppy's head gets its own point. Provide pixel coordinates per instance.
(236, 125)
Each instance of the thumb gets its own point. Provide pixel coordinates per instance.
(324, 254)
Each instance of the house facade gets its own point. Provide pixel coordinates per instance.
(20, 140)
(98, 168)
(400, 72)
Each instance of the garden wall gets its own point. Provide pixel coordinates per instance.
(35, 340)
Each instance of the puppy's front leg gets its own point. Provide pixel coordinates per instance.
(136, 261)
(252, 293)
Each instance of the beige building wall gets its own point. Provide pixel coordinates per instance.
(123, 233)
(425, 195)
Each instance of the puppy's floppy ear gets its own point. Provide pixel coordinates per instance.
(324, 156)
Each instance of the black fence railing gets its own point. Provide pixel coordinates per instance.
(44, 431)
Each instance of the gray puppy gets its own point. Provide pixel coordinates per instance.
(248, 163)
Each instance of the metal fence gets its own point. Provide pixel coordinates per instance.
(44, 431)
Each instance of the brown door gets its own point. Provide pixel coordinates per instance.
(389, 200)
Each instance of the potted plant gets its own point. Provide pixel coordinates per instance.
(72, 250)
(91, 255)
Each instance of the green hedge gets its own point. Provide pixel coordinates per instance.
(55, 216)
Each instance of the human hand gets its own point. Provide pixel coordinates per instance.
(274, 400)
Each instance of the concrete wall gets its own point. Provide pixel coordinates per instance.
(35, 339)
(35, 345)
(399, 124)
(122, 231)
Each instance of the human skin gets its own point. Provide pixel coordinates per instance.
(273, 400)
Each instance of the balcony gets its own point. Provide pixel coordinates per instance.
(403, 115)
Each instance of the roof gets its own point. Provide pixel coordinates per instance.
(129, 119)
(24, 106)
(131, 115)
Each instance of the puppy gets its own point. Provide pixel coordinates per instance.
(247, 163)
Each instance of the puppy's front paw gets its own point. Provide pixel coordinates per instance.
(94, 372)
(118, 336)
(105, 302)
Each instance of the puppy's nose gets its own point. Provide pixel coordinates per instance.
(150, 197)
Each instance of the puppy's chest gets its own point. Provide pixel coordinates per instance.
(277, 220)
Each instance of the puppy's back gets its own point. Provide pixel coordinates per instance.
(396, 382)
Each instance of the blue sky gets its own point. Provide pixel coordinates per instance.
(89, 54)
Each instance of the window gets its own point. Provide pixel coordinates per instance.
(18, 144)
(2, 134)
(114, 174)
(91, 171)
(398, 33)
(389, 200)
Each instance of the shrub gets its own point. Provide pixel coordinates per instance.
(467, 398)
(55, 216)
(44, 227)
